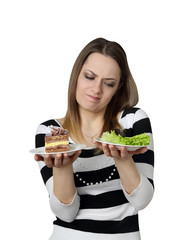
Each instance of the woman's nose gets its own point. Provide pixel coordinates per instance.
(97, 87)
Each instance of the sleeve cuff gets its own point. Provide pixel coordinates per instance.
(142, 195)
(66, 212)
(55, 200)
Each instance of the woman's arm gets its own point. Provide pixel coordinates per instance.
(63, 178)
(136, 186)
(135, 168)
(129, 175)
(58, 177)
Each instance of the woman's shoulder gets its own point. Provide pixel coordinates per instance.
(132, 112)
(51, 122)
(44, 127)
(129, 116)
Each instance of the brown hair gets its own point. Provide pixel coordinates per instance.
(126, 95)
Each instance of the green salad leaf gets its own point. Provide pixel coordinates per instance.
(137, 140)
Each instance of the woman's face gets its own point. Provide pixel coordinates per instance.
(97, 83)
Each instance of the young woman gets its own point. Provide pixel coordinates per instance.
(97, 194)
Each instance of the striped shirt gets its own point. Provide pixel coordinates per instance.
(101, 208)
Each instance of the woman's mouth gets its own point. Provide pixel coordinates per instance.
(93, 98)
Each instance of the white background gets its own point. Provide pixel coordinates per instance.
(39, 43)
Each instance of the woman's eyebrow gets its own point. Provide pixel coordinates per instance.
(91, 72)
(110, 78)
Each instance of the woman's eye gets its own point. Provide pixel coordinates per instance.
(109, 84)
(89, 77)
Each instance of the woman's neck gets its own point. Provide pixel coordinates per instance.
(91, 120)
(91, 126)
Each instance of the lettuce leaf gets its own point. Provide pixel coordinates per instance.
(137, 140)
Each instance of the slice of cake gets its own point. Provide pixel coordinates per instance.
(58, 141)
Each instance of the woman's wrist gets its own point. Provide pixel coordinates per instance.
(129, 175)
(63, 183)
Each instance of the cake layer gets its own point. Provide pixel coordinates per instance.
(54, 144)
(58, 149)
(56, 138)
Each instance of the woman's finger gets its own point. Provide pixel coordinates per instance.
(58, 160)
(124, 153)
(140, 151)
(48, 161)
(106, 150)
(98, 144)
(114, 152)
(38, 158)
(75, 156)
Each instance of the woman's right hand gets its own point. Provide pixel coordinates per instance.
(60, 160)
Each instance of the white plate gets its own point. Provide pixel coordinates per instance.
(128, 147)
(73, 148)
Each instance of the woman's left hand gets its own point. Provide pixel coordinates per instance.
(122, 154)
(129, 175)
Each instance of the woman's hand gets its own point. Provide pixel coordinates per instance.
(60, 160)
(129, 175)
(122, 154)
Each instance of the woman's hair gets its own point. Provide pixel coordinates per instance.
(126, 95)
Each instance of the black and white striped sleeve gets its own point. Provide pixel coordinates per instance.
(137, 122)
(66, 212)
